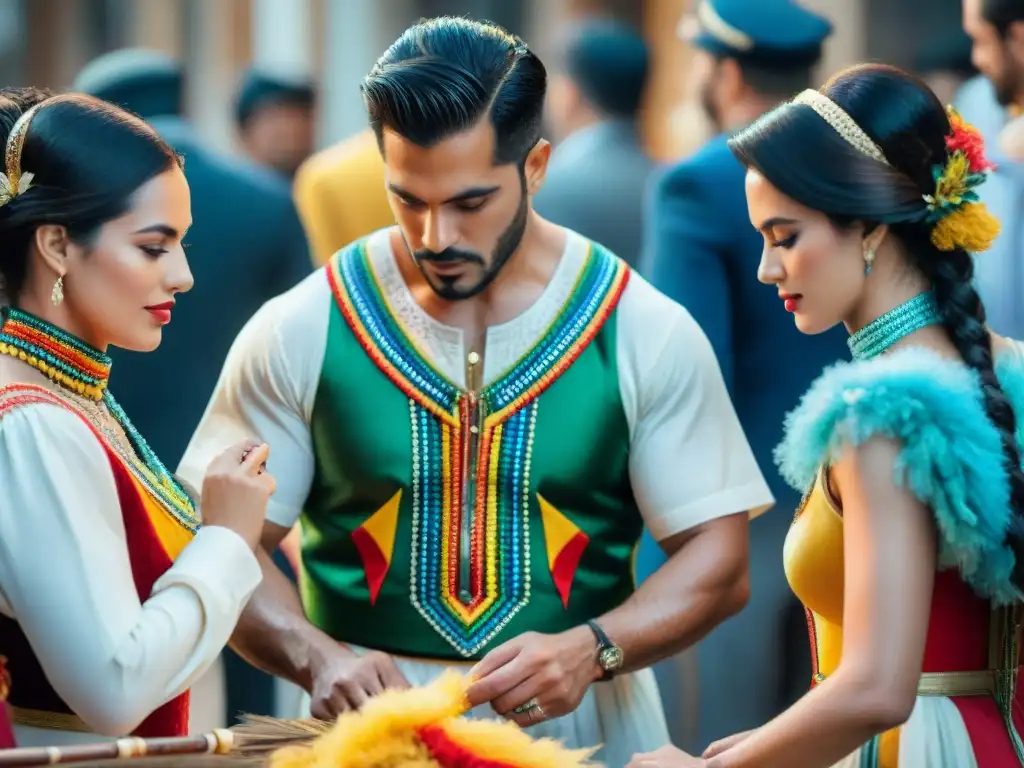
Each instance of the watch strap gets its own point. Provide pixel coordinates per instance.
(603, 643)
(602, 639)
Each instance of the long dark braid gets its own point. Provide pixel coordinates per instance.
(810, 161)
(963, 315)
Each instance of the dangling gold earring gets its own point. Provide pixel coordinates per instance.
(869, 259)
(57, 295)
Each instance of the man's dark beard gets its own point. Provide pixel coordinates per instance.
(445, 285)
(1007, 88)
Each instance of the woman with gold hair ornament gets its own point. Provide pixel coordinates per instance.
(113, 597)
(907, 549)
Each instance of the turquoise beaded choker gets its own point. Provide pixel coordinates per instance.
(881, 333)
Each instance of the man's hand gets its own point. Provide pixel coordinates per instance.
(666, 757)
(344, 680)
(543, 676)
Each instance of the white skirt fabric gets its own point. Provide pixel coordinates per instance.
(623, 716)
(935, 736)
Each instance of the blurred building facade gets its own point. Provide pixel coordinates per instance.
(45, 42)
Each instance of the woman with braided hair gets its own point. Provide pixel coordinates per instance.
(907, 549)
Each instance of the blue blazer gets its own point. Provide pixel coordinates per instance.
(701, 250)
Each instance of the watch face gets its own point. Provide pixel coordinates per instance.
(610, 658)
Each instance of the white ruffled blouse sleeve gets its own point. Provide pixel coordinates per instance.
(65, 576)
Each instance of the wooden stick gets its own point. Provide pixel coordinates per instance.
(219, 742)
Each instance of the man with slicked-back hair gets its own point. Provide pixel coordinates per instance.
(473, 414)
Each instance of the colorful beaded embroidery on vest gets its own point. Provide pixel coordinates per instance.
(85, 371)
(469, 590)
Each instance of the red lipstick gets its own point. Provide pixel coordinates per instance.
(790, 300)
(162, 312)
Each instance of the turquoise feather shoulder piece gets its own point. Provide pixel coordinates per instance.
(951, 459)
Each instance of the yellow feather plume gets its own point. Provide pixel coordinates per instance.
(384, 734)
(970, 227)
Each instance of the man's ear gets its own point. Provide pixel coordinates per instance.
(536, 167)
(729, 80)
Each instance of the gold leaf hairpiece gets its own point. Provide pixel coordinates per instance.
(14, 182)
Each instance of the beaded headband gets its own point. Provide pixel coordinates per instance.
(14, 182)
(957, 217)
(841, 123)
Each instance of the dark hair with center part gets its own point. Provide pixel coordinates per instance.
(807, 160)
(444, 75)
(609, 63)
(775, 81)
(259, 90)
(1002, 13)
(87, 157)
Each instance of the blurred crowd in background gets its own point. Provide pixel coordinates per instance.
(261, 96)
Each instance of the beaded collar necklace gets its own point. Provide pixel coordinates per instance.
(882, 332)
(84, 371)
(56, 353)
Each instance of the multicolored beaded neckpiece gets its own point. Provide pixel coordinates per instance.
(882, 332)
(58, 354)
(84, 371)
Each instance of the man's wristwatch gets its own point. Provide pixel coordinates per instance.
(609, 655)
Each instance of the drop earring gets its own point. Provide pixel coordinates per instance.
(869, 259)
(57, 295)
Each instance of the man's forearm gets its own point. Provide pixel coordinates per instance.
(704, 582)
(273, 633)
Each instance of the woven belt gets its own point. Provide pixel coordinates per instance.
(979, 683)
(58, 721)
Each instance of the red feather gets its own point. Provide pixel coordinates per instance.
(965, 138)
(448, 754)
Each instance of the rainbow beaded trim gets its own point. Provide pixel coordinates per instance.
(499, 549)
(85, 371)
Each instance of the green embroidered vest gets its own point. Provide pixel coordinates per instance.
(442, 521)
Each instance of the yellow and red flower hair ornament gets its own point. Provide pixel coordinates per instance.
(425, 728)
(959, 219)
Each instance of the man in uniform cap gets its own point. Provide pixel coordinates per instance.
(700, 250)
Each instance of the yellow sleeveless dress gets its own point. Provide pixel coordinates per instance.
(962, 649)
(813, 559)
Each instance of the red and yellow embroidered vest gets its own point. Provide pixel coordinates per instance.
(155, 538)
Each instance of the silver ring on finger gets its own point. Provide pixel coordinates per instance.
(536, 713)
(529, 706)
